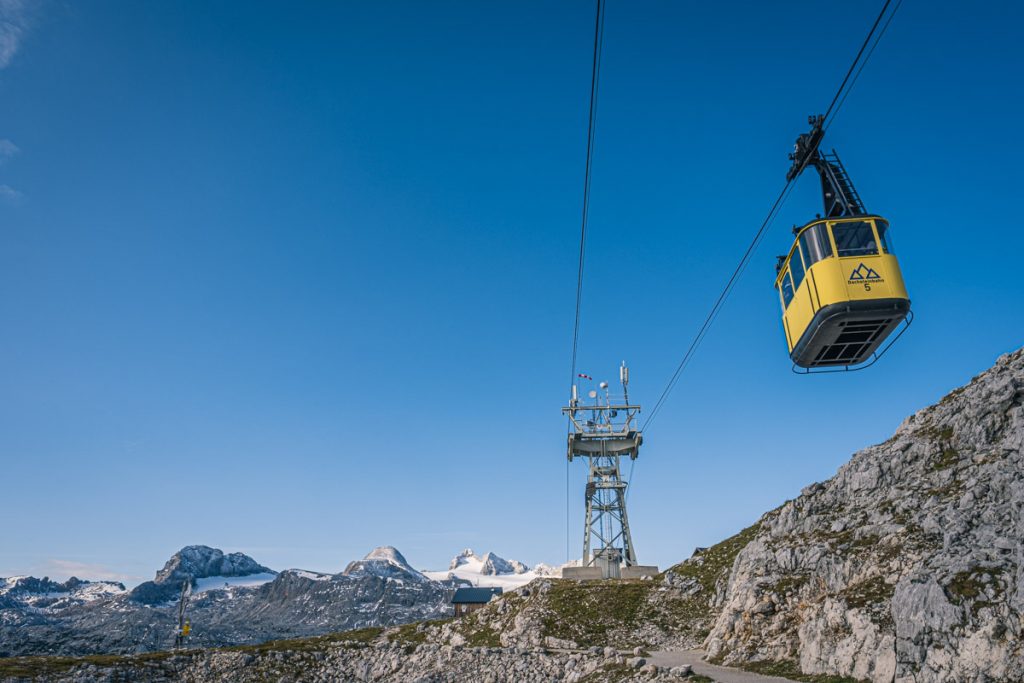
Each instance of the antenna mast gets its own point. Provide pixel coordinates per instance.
(184, 625)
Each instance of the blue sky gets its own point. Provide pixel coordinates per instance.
(299, 281)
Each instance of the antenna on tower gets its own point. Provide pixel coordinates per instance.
(624, 378)
(184, 624)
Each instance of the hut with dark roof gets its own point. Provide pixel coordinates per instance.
(468, 600)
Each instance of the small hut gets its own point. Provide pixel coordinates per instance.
(468, 600)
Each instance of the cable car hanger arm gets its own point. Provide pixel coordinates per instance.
(838, 193)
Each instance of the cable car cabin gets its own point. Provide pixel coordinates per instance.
(841, 291)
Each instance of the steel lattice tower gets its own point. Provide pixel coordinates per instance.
(603, 432)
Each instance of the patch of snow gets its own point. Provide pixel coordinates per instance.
(10, 583)
(547, 570)
(100, 589)
(221, 582)
(315, 576)
(506, 581)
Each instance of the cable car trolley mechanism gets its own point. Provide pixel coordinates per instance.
(840, 286)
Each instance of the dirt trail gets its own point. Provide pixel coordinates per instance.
(722, 674)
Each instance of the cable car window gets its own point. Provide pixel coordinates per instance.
(885, 236)
(815, 244)
(855, 239)
(796, 268)
(787, 289)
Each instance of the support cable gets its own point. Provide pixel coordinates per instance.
(885, 26)
(591, 127)
(857, 59)
(837, 101)
(595, 80)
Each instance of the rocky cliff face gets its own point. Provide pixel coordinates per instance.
(908, 564)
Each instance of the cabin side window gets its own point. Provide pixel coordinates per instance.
(855, 238)
(885, 236)
(786, 287)
(815, 244)
(796, 267)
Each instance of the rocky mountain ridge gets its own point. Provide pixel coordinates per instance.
(39, 616)
(908, 564)
(190, 563)
(490, 564)
(46, 594)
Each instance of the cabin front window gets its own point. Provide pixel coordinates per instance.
(855, 239)
(815, 244)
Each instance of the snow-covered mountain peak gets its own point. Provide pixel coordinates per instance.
(201, 561)
(490, 564)
(389, 553)
(44, 594)
(462, 558)
(192, 563)
(491, 570)
(384, 562)
(493, 565)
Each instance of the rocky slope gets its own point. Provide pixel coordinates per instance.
(905, 566)
(908, 564)
(394, 656)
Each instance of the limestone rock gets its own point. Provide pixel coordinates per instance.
(908, 564)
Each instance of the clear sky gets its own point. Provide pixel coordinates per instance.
(298, 279)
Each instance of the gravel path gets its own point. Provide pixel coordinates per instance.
(721, 674)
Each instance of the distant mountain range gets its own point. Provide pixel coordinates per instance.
(490, 570)
(235, 600)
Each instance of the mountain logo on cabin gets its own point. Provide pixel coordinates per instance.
(862, 272)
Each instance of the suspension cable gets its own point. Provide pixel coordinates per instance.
(857, 58)
(885, 26)
(833, 108)
(595, 81)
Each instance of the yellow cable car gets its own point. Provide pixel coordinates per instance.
(840, 286)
